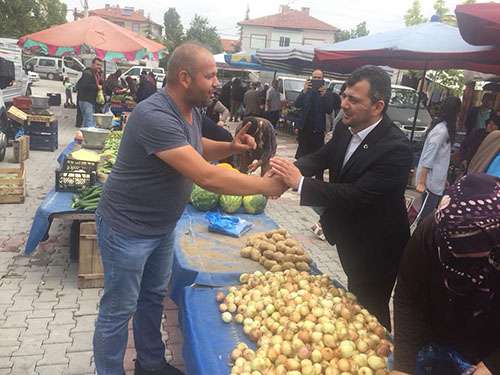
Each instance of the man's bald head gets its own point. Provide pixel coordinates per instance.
(187, 57)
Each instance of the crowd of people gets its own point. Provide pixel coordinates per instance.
(448, 273)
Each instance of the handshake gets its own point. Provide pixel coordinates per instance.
(282, 176)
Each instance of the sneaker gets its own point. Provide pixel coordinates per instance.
(166, 369)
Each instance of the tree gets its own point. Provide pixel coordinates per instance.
(21, 17)
(414, 15)
(440, 9)
(174, 32)
(202, 32)
(359, 31)
(451, 78)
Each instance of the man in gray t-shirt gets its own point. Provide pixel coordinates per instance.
(273, 103)
(162, 152)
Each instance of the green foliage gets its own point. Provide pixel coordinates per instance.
(174, 32)
(21, 17)
(440, 8)
(414, 15)
(451, 78)
(202, 32)
(359, 31)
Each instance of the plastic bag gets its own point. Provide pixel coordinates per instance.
(229, 225)
(437, 360)
(100, 97)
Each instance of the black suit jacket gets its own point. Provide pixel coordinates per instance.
(365, 213)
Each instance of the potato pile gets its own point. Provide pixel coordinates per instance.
(302, 325)
(276, 251)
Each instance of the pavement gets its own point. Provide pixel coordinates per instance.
(46, 322)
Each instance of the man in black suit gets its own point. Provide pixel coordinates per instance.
(368, 159)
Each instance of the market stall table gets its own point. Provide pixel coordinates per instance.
(211, 259)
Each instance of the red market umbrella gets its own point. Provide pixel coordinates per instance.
(479, 24)
(92, 35)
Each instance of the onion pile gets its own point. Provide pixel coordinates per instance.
(276, 251)
(302, 325)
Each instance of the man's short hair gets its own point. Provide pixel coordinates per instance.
(184, 57)
(379, 80)
(96, 59)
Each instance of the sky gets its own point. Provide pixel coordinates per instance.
(381, 15)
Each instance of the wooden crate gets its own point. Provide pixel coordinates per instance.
(90, 272)
(12, 184)
(21, 149)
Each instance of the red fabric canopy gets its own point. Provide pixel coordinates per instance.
(479, 24)
(94, 32)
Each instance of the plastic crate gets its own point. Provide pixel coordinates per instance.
(44, 142)
(80, 165)
(41, 127)
(54, 99)
(73, 181)
(22, 102)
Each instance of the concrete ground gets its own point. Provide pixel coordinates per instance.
(46, 322)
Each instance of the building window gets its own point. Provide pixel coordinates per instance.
(284, 41)
(136, 27)
(258, 41)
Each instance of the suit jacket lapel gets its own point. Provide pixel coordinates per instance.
(370, 140)
(344, 137)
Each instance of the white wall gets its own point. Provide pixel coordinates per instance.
(296, 37)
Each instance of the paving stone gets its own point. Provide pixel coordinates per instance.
(87, 308)
(91, 294)
(79, 363)
(85, 323)
(9, 337)
(82, 342)
(14, 320)
(5, 363)
(21, 304)
(7, 351)
(43, 313)
(10, 283)
(59, 334)
(37, 327)
(63, 317)
(54, 354)
(6, 296)
(24, 365)
(67, 301)
(30, 346)
(48, 296)
(50, 370)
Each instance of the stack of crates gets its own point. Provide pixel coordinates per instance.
(43, 132)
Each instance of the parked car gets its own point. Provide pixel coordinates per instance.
(33, 77)
(21, 85)
(401, 110)
(56, 67)
(136, 71)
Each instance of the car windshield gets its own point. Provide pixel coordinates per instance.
(158, 71)
(404, 98)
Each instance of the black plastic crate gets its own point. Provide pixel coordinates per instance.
(43, 142)
(80, 165)
(41, 127)
(54, 99)
(72, 181)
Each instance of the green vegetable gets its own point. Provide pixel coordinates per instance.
(203, 200)
(254, 204)
(87, 199)
(230, 203)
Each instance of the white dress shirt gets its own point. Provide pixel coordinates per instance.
(356, 140)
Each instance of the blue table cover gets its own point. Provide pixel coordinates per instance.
(208, 341)
(54, 203)
(211, 259)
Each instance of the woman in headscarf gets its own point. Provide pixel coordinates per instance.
(448, 289)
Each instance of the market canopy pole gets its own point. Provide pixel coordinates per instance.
(419, 100)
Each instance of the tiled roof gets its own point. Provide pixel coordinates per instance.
(290, 19)
(229, 45)
(116, 12)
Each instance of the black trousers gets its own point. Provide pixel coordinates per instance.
(310, 142)
(374, 296)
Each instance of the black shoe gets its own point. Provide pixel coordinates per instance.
(166, 369)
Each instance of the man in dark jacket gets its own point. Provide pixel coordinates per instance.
(369, 159)
(478, 116)
(88, 85)
(315, 105)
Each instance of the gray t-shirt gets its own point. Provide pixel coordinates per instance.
(143, 195)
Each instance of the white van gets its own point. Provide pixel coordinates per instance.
(291, 87)
(10, 51)
(56, 67)
(136, 71)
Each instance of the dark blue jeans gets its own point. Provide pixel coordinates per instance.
(136, 275)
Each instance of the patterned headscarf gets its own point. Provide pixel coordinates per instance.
(468, 235)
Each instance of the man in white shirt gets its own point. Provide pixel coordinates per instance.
(369, 159)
